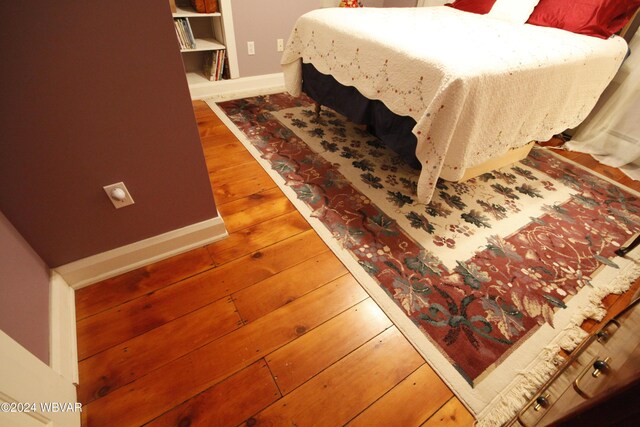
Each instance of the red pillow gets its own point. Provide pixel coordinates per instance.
(475, 6)
(598, 18)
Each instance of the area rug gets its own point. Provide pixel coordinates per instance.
(489, 280)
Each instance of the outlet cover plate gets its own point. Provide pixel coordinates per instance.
(128, 200)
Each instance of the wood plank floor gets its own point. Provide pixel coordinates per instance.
(266, 327)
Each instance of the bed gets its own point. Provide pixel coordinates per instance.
(469, 87)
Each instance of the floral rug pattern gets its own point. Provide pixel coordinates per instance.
(516, 243)
(461, 216)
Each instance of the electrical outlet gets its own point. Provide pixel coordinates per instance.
(119, 195)
(280, 45)
(251, 48)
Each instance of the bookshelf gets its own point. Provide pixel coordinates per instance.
(212, 40)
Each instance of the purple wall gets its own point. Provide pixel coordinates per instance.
(24, 292)
(95, 93)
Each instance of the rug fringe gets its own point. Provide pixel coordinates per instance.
(519, 394)
(509, 402)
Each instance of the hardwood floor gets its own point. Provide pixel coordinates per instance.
(266, 327)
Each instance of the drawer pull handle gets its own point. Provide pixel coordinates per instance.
(605, 333)
(603, 336)
(541, 402)
(599, 366)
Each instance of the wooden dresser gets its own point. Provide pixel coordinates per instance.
(604, 365)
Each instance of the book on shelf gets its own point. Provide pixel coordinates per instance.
(190, 37)
(185, 35)
(220, 64)
(226, 75)
(214, 64)
(179, 32)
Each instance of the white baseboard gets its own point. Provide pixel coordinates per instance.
(243, 87)
(87, 271)
(63, 347)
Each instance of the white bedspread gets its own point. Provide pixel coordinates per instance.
(475, 85)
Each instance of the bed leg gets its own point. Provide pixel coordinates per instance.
(317, 110)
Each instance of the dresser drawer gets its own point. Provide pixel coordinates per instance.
(606, 361)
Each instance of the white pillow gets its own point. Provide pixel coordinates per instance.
(516, 11)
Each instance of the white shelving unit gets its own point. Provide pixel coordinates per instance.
(188, 12)
(212, 31)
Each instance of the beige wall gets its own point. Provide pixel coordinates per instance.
(400, 3)
(265, 21)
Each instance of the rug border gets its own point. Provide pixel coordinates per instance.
(510, 396)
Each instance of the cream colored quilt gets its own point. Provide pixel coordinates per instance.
(475, 85)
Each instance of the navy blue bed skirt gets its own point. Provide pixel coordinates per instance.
(390, 128)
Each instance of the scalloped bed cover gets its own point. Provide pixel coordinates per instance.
(475, 85)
